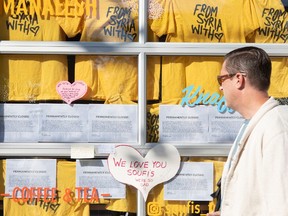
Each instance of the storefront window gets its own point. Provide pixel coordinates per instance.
(72, 86)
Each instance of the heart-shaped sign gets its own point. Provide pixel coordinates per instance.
(128, 166)
(71, 92)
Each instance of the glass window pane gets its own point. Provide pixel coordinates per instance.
(192, 80)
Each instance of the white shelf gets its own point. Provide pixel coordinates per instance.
(135, 48)
(63, 149)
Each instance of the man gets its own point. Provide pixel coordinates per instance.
(255, 176)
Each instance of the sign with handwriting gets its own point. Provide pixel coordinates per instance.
(71, 92)
(128, 166)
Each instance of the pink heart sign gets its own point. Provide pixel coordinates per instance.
(71, 92)
(160, 164)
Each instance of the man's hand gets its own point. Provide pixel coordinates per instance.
(217, 213)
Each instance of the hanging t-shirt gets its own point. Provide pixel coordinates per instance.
(205, 21)
(30, 77)
(107, 76)
(152, 123)
(273, 21)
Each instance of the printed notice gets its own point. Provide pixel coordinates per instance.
(198, 124)
(223, 127)
(63, 123)
(183, 124)
(112, 123)
(94, 174)
(194, 181)
(19, 122)
(29, 173)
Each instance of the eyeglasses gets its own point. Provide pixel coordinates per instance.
(222, 78)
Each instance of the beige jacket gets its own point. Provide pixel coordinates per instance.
(256, 184)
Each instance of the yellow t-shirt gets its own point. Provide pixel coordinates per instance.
(30, 77)
(279, 78)
(179, 72)
(205, 21)
(107, 76)
(152, 125)
(129, 204)
(273, 21)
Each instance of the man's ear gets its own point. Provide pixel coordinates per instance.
(240, 80)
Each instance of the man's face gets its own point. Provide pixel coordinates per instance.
(226, 85)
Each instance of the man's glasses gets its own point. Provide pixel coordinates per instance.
(222, 78)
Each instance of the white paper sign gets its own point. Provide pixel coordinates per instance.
(19, 122)
(183, 124)
(223, 127)
(199, 124)
(29, 173)
(94, 174)
(112, 123)
(128, 166)
(194, 181)
(64, 123)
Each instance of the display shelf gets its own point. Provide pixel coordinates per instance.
(63, 150)
(149, 48)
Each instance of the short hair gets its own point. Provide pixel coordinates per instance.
(254, 61)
